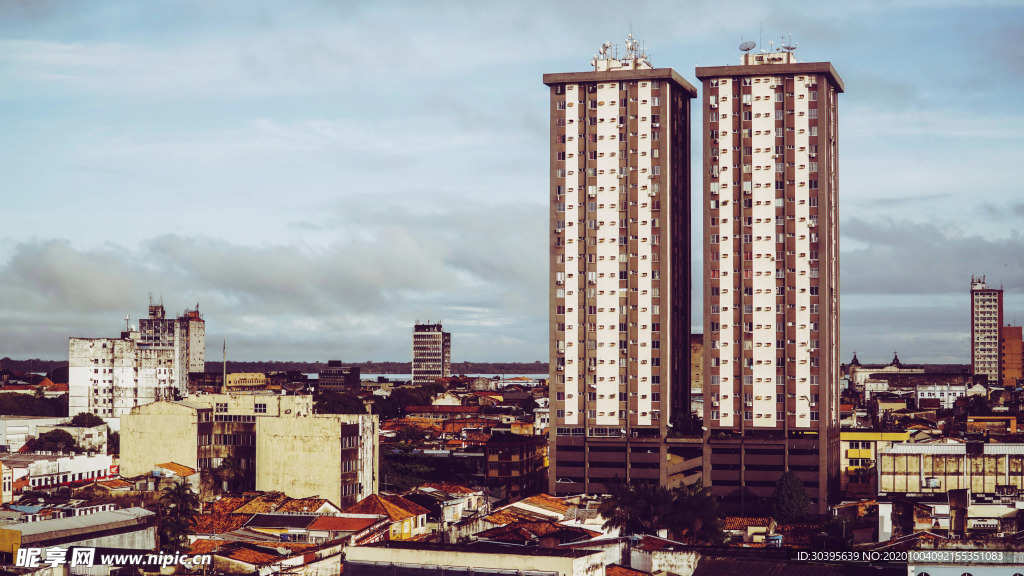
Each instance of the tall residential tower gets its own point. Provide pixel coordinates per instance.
(771, 268)
(986, 320)
(619, 269)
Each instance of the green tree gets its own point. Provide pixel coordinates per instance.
(16, 404)
(790, 501)
(53, 441)
(637, 507)
(178, 508)
(113, 442)
(331, 402)
(86, 420)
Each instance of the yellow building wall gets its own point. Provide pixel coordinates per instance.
(10, 541)
(299, 456)
(171, 427)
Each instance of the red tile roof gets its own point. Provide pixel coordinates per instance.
(651, 543)
(739, 523)
(442, 409)
(449, 488)
(394, 507)
(521, 532)
(547, 502)
(302, 505)
(206, 546)
(342, 524)
(616, 570)
(115, 484)
(263, 502)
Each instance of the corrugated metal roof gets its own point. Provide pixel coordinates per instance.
(79, 524)
(956, 449)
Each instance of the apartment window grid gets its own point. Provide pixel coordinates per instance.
(792, 210)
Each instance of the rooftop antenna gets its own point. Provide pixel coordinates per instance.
(127, 323)
(789, 46)
(760, 36)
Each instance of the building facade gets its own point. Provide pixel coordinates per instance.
(986, 321)
(250, 429)
(110, 376)
(619, 268)
(431, 353)
(771, 264)
(1011, 351)
(859, 449)
(340, 378)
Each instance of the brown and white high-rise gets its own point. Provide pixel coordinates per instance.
(619, 269)
(771, 265)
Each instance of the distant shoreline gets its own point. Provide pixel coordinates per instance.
(496, 368)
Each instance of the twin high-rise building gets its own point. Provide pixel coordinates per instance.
(771, 275)
(619, 269)
(620, 286)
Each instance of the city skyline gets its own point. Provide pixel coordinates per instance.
(233, 156)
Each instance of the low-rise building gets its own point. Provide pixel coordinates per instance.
(38, 471)
(16, 430)
(90, 439)
(339, 378)
(407, 519)
(250, 430)
(959, 487)
(515, 465)
(858, 450)
(417, 558)
(129, 528)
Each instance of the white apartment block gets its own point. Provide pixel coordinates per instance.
(771, 268)
(619, 268)
(110, 376)
(986, 319)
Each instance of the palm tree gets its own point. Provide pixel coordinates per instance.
(637, 507)
(696, 511)
(178, 509)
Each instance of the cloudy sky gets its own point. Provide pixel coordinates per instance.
(318, 176)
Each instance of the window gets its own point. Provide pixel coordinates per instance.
(812, 113)
(260, 409)
(221, 407)
(560, 105)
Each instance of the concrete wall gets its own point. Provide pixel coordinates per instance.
(679, 562)
(244, 403)
(156, 434)
(299, 456)
(564, 566)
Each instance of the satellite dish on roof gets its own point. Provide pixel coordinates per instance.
(282, 550)
(748, 46)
